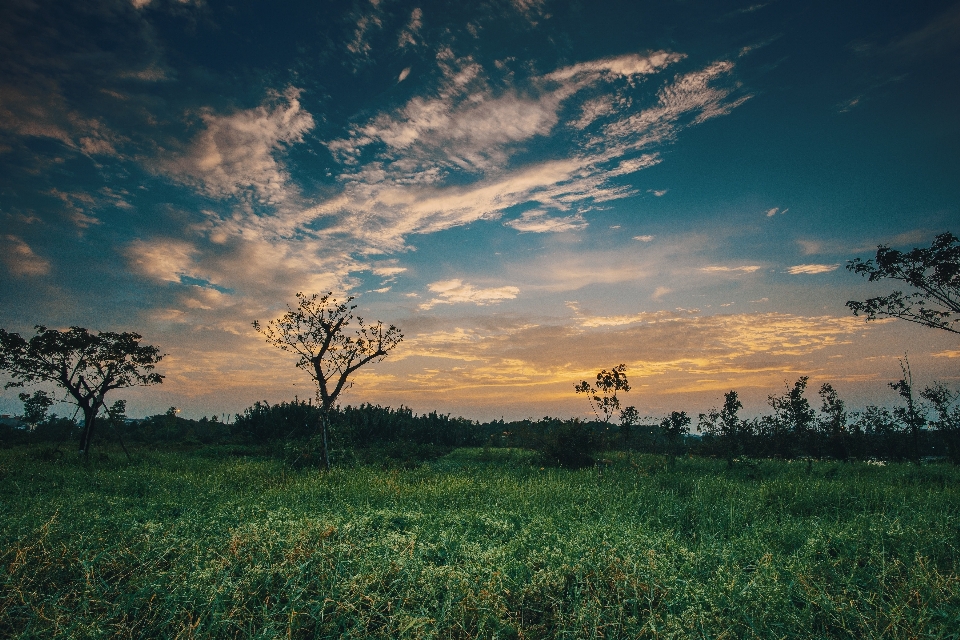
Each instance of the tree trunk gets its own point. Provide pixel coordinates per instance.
(323, 428)
(90, 421)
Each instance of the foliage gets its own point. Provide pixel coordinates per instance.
(793, 419)
(603, 395)
(833, 422)
(947, 422)
(724, 425)
(87, 366)
(673, 428)
(316, 332)
(911, 415)
(35, 407)
(476, 545)
(933, 272)
(571, 444)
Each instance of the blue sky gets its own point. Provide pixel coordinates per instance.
(530, 190)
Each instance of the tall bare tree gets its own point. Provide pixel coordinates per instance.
(317, 331)
(86, 365)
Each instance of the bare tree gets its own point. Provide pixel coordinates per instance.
(316, 331)
(86, 365)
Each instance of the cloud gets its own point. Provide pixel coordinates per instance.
(659, 292)
(408, 36)
(627, 65)
(403, 75)
(20, 260)
(538, 221)
(236, 152)
(465, 128)
(39, 110)
(812, 268)
(644, 238)
(691, 99)
(388, 271)
(456, 291)
(658, 192)
(363, 25)
(750, 268)
(164, 260)
(496, 362)
(649, 317)
(444, 160)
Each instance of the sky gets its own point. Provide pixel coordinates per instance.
(531, 190)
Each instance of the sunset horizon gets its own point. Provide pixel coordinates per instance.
(531, 191)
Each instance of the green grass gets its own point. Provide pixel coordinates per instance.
(476, 544)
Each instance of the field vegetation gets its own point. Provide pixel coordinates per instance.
(480, 542)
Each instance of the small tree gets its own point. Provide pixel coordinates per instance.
(948, 417)
(724, 425)
(603, 397)
(673, 428)
(86, 365)
(934, 272)
(35, 407)
(912, 415)
(834, 421)
(316, 331)
(794, 417)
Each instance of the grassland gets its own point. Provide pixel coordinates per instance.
(476, 544)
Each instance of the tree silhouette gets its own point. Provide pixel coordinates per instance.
(724, 425)
(935, 272)
(316, 332)
(948, 417)
(834, 421)
(912, 415)
(673, 428)
(603, 397)
(86, 365)
(35, 407)
(794, 418)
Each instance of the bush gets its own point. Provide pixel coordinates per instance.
(570, 444)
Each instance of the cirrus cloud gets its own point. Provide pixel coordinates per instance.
(236, 152)
(811, 268)
(457, 291)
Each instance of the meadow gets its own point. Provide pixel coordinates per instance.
(480, 543)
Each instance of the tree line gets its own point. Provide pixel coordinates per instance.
(87, 366)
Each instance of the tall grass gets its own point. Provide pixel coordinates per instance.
(476, 544)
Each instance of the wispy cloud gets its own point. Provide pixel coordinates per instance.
(812, 268)
(775, 211)
(236, 152)
(445, 160)
(365, 22)
(20, 260)
(628, 65)
(539, 221)
(749, 268)
(644, 238)
(457, 291)
(411, 32)
(33, 111)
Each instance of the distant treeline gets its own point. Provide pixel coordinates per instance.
(370, 432)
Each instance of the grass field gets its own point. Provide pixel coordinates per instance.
(476, 544)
